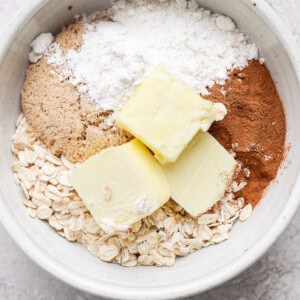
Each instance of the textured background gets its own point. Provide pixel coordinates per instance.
(276, 276)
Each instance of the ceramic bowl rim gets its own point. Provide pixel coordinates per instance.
(33, 250)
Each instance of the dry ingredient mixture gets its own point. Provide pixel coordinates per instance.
(71, 93)
(98, 63)
(115, 56)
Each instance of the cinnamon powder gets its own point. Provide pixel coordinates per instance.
(254, 127)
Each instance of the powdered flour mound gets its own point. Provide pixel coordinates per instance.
(70, 95)
(198, 46)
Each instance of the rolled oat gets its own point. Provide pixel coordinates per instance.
(155, 240)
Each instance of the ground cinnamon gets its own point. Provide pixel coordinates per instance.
(254, 127)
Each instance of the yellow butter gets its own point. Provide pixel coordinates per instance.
(121, 185)
(165, 113)
(201, 174)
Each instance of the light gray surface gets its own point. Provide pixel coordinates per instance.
(275, 276)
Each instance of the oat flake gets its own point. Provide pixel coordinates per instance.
(154, 240)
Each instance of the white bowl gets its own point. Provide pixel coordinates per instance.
(201, 270)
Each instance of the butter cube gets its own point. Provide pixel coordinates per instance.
(165, 114)
(201, 174)
(121, 185)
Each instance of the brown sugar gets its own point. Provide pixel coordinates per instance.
(254, 127)
(66, 122)
(70, 37)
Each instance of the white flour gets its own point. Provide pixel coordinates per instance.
(198, 46)
(40, 46)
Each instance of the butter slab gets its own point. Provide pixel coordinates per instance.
(121, 185)
(201, 174)
(165, 114)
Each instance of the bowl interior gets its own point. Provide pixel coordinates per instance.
(196, 272)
